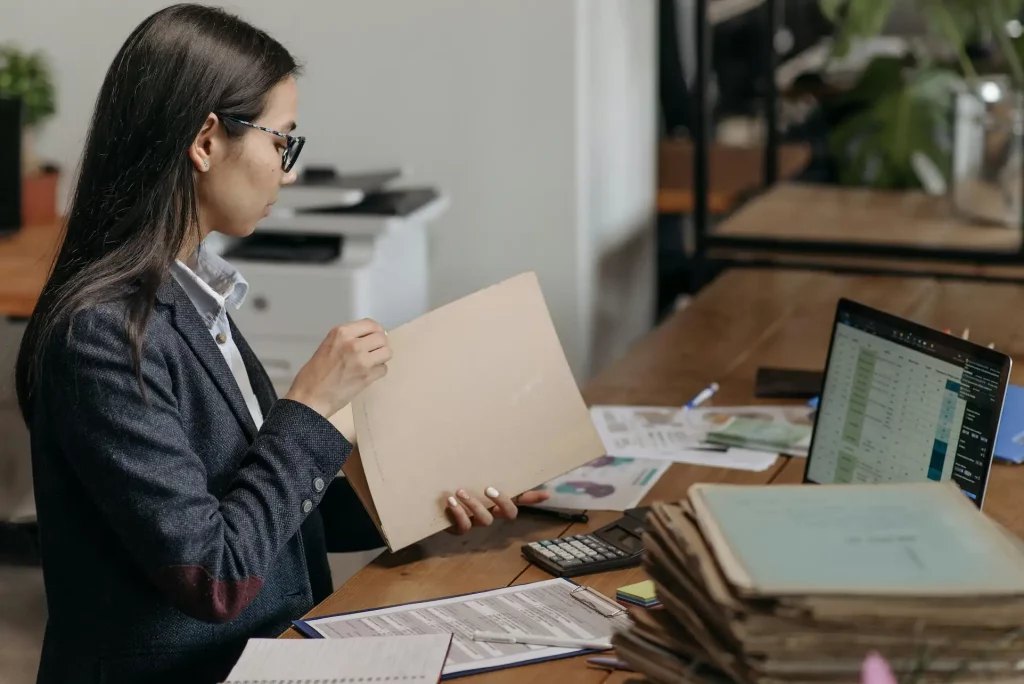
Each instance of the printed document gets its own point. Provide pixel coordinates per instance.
(373, 659)
(548, 608)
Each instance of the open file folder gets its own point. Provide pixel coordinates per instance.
(478, 394)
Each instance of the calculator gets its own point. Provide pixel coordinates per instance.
(616, 545)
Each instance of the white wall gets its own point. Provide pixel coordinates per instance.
(536, 116)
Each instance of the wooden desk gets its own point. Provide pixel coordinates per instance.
(734, 173)
(793, 213)
(25, 259)
(745, 319)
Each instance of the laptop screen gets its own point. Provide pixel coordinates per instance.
(904, 403)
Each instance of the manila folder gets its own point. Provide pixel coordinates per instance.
(478, 394)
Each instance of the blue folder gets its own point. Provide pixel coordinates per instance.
(1010, 440)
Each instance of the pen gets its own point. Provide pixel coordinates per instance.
(611, 664)
(534, 640)
(560, 515)
(702, 396)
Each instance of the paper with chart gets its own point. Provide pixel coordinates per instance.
(672, 434)
(418, 658)
(608, 483)
(547, 608)
(478, 394)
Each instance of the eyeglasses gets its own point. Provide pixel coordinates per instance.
(291, 151)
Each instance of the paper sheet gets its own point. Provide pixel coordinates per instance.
(671, 434)
(542, 608)
(799, 416)
(477, 395)
(608, 483)
(399, 658)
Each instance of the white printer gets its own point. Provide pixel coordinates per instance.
(336, 249)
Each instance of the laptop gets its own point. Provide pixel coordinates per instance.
(902, 403)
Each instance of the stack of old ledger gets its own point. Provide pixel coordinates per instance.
(800, 583)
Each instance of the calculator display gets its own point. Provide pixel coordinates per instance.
(623, 538)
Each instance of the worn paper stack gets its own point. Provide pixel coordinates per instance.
(800, 583)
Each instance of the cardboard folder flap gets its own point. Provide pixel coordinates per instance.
(478, 394)
(353, 470)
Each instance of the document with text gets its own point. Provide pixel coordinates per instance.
(556, 607)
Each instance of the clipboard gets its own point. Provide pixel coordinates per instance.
(593, 600)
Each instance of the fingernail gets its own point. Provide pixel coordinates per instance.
(452, 502)
(462, 494)
(491, 492)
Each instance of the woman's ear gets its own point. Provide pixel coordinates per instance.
(203, 148)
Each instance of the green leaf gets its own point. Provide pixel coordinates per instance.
(831, 9)
(875, 145)
(27, 77)
(854, 19)
(882, 75)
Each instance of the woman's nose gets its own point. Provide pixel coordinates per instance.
(290, 177)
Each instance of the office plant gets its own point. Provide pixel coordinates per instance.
(28, 77)
(903, 107)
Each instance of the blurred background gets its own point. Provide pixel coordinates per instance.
(455, 143)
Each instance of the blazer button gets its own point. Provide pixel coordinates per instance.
(318, 484)
(307, 506)
(221, 338)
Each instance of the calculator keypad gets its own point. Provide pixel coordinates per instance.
(571, 552)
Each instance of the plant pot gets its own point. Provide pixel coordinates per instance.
(988, 142)
(39, 198)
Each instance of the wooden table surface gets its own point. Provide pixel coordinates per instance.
(25, 259)
(745, 319)
(734, 173)
(823, 213)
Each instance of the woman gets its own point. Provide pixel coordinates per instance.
(176, 494)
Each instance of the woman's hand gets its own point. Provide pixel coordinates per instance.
(467, 511)
(350, 359)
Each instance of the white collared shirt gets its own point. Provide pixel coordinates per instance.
(212, 283)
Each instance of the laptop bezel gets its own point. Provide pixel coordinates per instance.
(929, 334)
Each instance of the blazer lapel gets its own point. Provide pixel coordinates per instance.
(191, 327)
(262, 387)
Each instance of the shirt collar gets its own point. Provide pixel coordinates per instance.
(211, 283)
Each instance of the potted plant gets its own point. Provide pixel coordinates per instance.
(27, 76)
(946, 116)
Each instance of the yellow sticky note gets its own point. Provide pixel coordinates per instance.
(641, 590)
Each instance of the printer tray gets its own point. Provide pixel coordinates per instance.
(306, 249)
(384, 203)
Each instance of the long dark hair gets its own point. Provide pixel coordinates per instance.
(134, 206)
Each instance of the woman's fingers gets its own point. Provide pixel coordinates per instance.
(504, 507)
(461, 522)
(532, 497)
(371, 342)
(481, 516)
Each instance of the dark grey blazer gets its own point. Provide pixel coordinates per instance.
(170, 527)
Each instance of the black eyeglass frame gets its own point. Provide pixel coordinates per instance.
(291, 151)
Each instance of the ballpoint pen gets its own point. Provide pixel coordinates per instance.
(611, 664)
(701, 397)
(568, 516)
(595, 644)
